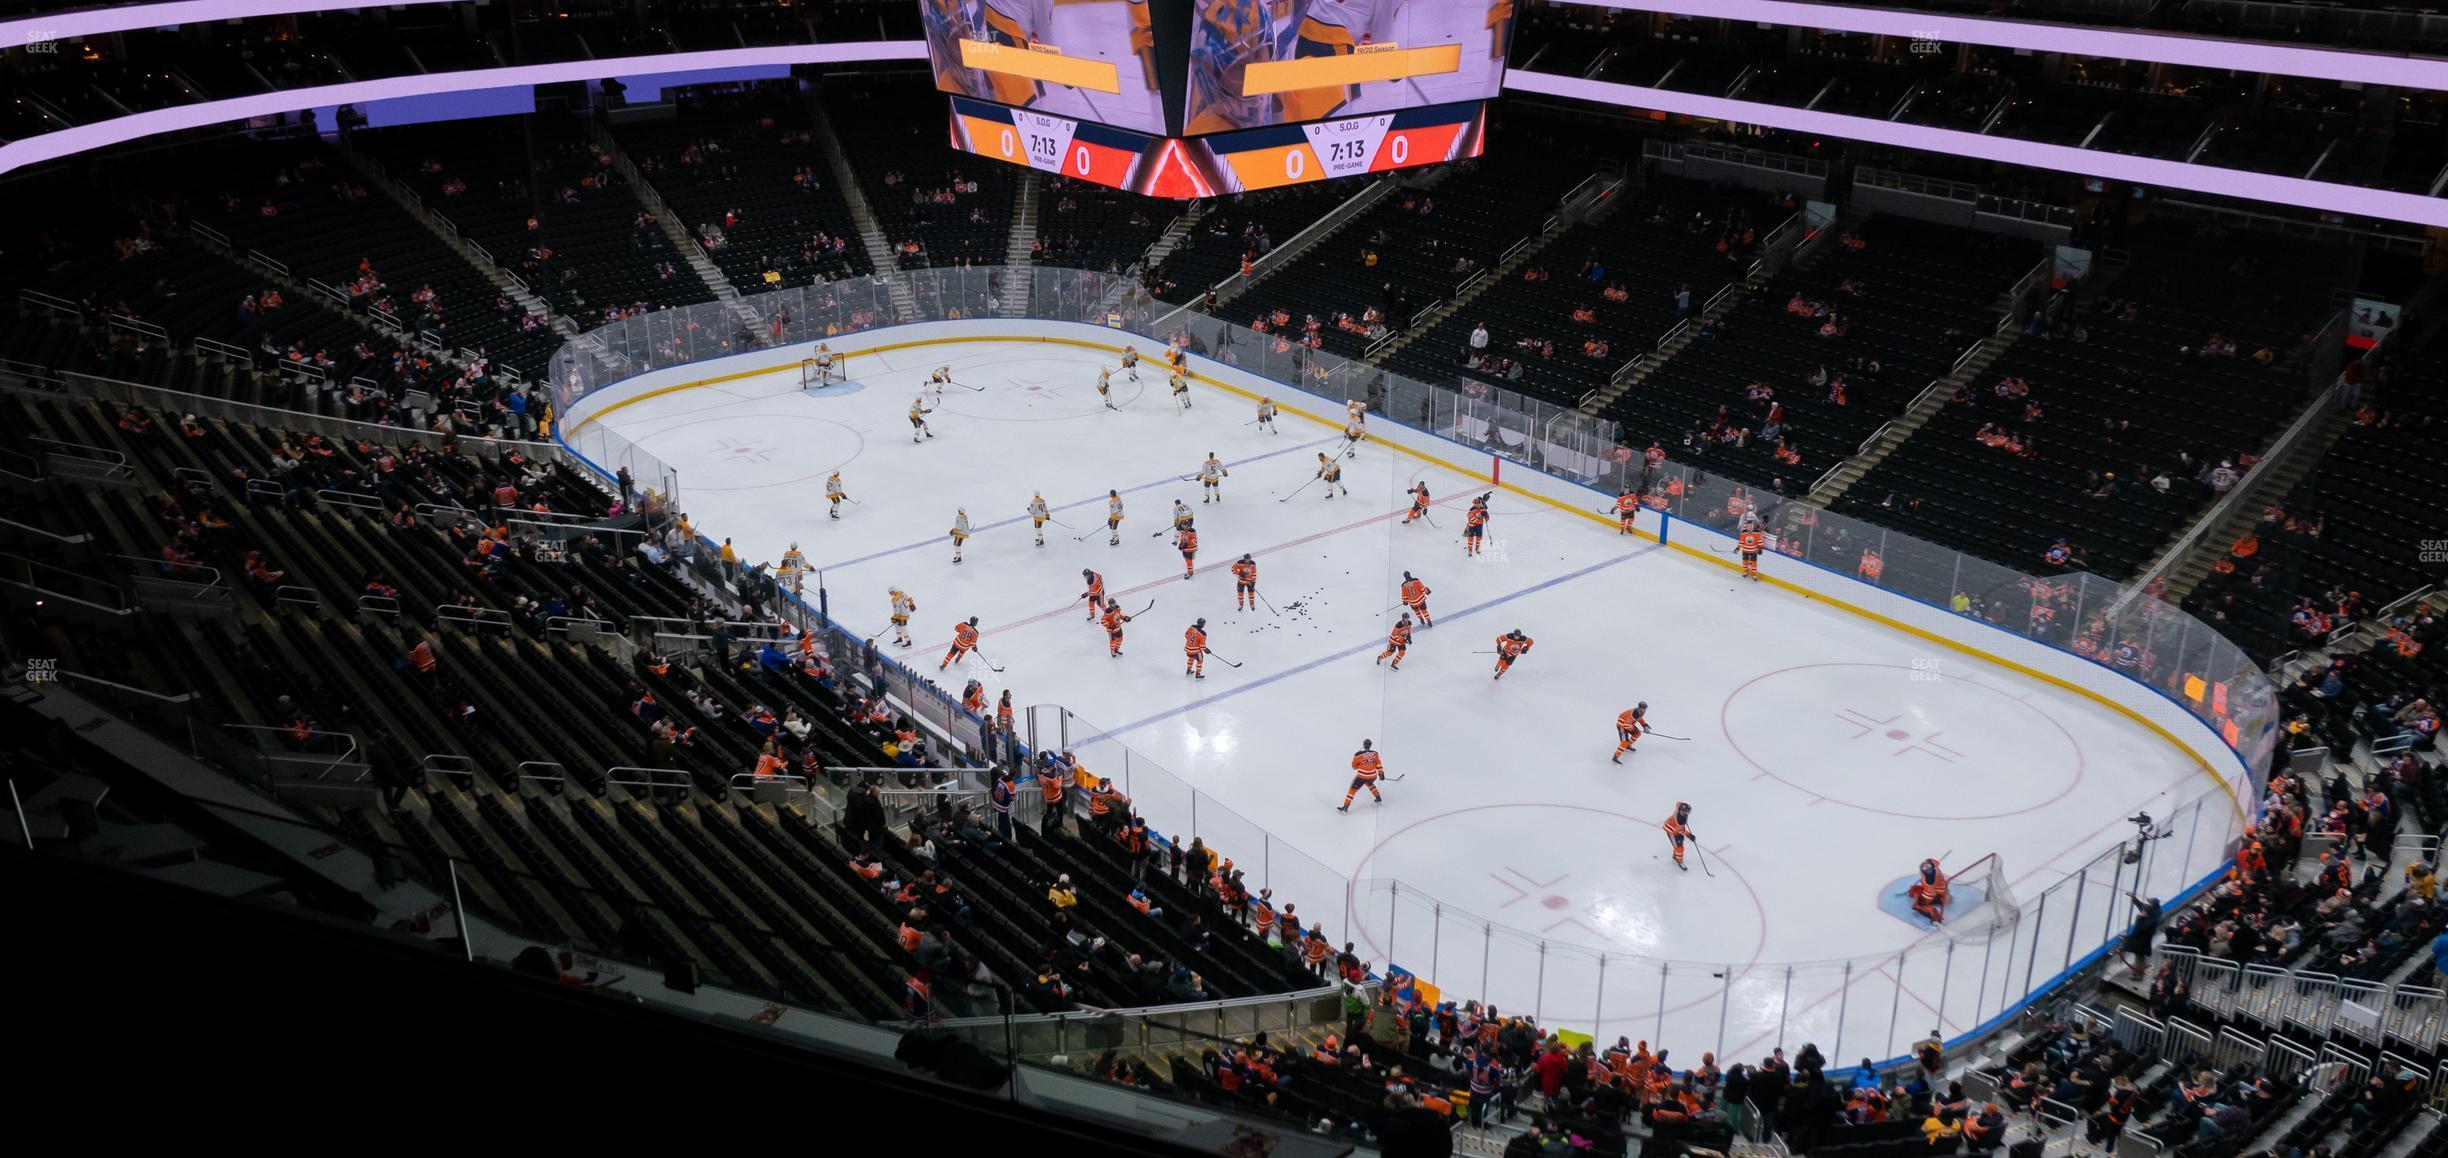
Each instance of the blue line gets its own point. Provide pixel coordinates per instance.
(1347, 653)
(1168, 480)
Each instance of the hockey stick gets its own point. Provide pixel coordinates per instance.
(1220, 659)
(1663, 736)
(966, 386)
(1270, 606)
(1144, 610)
(1397, 778)
(1703, 858)
(990, 664)
(1298, 489)
(1083, 534)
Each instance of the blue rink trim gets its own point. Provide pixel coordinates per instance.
(1348, 652)
(1896, 902)
(1168, 480)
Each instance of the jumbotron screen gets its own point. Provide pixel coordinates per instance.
(1195, 67)
(1222, 163)
(1088, 59)
(1272, 62)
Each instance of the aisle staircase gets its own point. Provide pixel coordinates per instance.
(511, 284)
(1171, 238)
(1019, 267)
(862, 215)
(1594, 207)
(1684, 334)
(1934, 397)
(2281, 479)
(674, 230)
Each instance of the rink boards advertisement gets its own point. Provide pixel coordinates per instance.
(1225, 163)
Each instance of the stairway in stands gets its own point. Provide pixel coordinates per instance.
(1595, 207)
(879, 250)
(1019, 265)
(509, 283)
(674, 229)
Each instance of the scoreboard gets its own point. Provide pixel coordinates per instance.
(1219, 163)
(1195, 98)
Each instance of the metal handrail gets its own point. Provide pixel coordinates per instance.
(330, 765)
(40, 532)
(2244, 489)
(472, 616)
(81, 677)
(748, 781)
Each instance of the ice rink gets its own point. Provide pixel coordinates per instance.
(1826, 753)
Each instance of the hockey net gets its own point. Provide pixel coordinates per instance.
(1979, 894)
(815, 373)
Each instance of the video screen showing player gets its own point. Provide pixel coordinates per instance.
(1268, 62)
(1090, 59)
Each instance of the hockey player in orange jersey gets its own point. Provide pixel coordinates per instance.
(1114, 619)
(1678, 830)
(1629, 727)
(1095, 595)
(1474, 525)
(1931, 893)
(1627, 505)
(1750, 543)
(1398, 642)
(1187, 540)
(1509, 647)
(1367, 767)
(1194, 650)
(1245, 583)
(964, 637)
(1419, 503)
(1415, 596)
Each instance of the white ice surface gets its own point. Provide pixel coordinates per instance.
(1826, 755)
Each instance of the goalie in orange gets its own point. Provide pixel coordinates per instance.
(1930, 894)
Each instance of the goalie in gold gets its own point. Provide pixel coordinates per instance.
(1231, 35)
